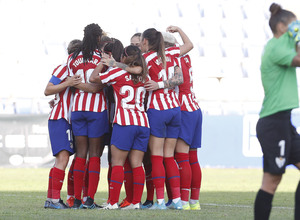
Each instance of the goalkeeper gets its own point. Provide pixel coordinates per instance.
(278, 138)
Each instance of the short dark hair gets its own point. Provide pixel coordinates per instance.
(136, 35)
(73, 46)
(279, 15)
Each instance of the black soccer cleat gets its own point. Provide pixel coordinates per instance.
(77, 204)
(47, 204)
(89, 203)
(58, 205)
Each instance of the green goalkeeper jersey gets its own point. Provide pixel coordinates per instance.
(278, 76)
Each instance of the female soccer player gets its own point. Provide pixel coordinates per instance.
(59, 128)
(163, 111)
(189, 139)
(89, 116)
(135, 40)
(278, 138)
(131, 127)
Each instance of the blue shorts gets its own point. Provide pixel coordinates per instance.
(191, 128)
(164, 123)
(91, 124)
(130, 137)
(61, 137)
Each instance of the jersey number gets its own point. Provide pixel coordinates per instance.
(138, 96)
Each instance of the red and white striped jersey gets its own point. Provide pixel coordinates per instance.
(187, 97)
(129, 98)
(84, 101)
(63, 101)
(162, 99)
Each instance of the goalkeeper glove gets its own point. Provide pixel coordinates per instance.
(294, 30)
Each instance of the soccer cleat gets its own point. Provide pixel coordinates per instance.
(124, 203)
(77, 204)
(58, 205)
(195, 206)
(89, 203)
(156, 206)
(169, 202)
(70, 202)
(186, 206)
(47, 204)
(109, 206)
(147, 204)
(177, 205)
(132, 206)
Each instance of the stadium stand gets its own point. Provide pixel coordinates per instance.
(228, 37)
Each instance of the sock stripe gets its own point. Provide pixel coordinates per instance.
(139, 184)
(182, 161)
(194, 163)
(82, 171)
(158, 177)
(116, 182)
(173, 177)
(92, 171)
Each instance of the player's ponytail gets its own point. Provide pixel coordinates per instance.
(133, 57)
(90, 42)
(156, 43)
(279, 15)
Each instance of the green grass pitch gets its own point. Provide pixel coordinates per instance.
(225, 194)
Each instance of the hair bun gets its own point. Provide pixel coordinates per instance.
(275, 8)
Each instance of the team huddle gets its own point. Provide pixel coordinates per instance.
(138, 101)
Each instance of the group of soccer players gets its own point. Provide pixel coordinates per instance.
(139, 101)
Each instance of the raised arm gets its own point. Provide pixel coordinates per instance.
(110, 61)
(187, 43)
(176, 80)
(52, 89)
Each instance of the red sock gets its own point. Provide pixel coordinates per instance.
(185, 175)
(138, 184)
(168, 188)
(158, 175)
(173, 176)
(128, 181)
(196, 175)
(49, 193)
(116, 181)
(57, 182)
(149, 182)
(108, 178)
(70, 188)
(78, 176)
(85, 186)
(94, 172)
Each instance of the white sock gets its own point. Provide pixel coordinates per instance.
(68, 197)
(184, 202)
(55, 200)
(160, 201)
(192, 201)
(84, 198)
(176, 200)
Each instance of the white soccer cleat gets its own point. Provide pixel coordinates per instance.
(132, 206)
(109, 206)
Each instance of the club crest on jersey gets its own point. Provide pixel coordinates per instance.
(280, 161)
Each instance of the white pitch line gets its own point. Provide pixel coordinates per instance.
(243, 206)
